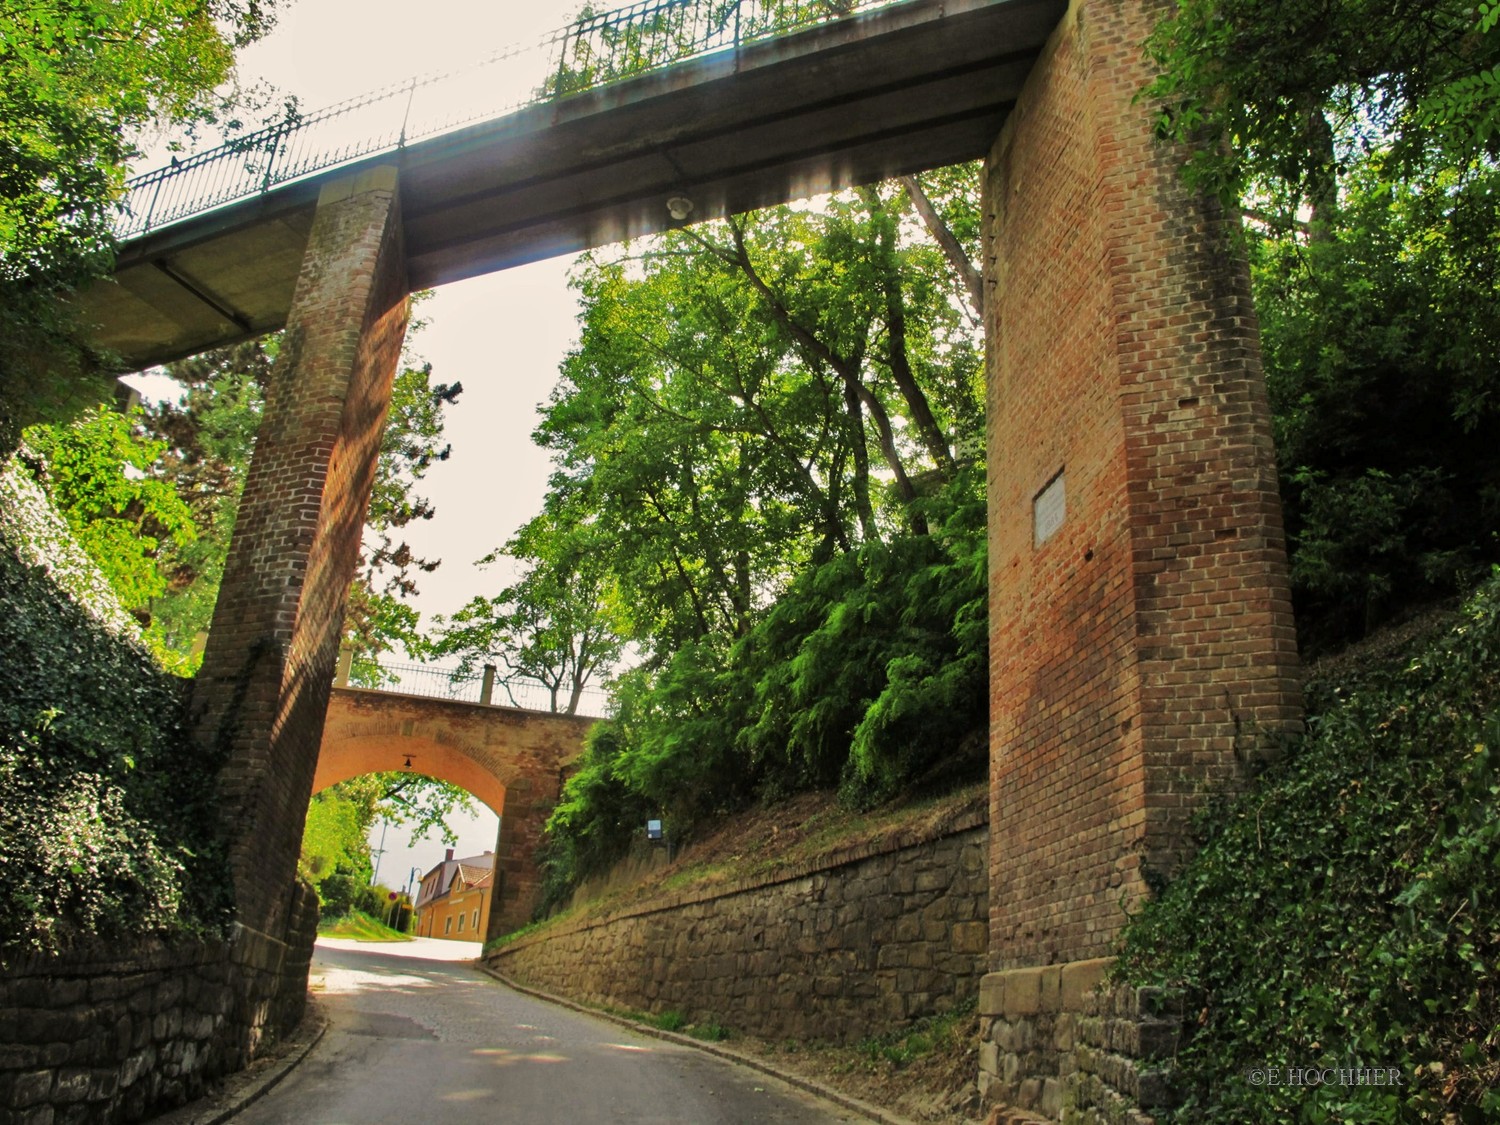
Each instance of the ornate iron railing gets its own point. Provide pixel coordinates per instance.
(595, 49)
(466, 687)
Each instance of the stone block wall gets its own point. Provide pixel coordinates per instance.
(1060, 1043)
(837, 951)
(120, 1035)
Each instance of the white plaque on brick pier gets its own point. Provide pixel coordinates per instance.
(1048, 510)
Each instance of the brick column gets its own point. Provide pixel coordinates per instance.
(1142, 645)
(529, 801)
(263, 689)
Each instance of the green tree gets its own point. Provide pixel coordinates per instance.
(336, 837)
(1383, 360)
(78, 78)
(209, 434)
(1280, 98)
(379, 615)
(100, 473)
(206, 438)
(777, 421)
(554, 625)
(1358, 139)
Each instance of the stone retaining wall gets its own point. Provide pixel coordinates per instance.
(1062, 1044)
(836, 951)
(106, 1036)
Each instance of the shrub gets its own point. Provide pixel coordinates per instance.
(107, 815)
(1342, 912)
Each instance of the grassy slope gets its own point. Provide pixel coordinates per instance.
(360, 927)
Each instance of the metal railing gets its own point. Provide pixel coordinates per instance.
(595, 49)
(486, 687)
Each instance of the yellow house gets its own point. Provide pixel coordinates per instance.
(454, 899)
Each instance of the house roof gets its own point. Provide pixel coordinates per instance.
(471, 879)
(439, 881)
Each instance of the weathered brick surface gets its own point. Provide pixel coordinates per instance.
(263, 687)
(836, 951)
(122, 1034)
(512, 760)
(1145, 650)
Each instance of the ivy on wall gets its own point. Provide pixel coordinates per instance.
(1342, 913)
(107, 818)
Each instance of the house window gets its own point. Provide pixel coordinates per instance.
(476, 917)
(461, 923)
(447, 925)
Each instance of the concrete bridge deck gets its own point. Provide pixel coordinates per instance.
(907, 87)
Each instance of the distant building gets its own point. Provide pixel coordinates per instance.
(454, 899)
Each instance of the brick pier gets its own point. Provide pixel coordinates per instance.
(1142, 643)
(263, 689)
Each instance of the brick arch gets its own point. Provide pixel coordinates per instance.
(510, 759)
(389, 751)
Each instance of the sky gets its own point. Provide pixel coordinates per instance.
(502, 336)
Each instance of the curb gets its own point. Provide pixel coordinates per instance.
(243, 1088)
(866, 1109)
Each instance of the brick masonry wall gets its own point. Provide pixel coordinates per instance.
(838, 951)
(263, 688)
(123, 1034)
(1145, 650)
(510, 759)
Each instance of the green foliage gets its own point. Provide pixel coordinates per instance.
(555, 625)
(202, 444)
(594, 820)
(1382, 357)
(766, 482)
(667, 1021)
(78, 80)
(361, 925)
(924, 1037)
(711, 1031)
(207, 435)
(1359, 140)
(335, 854)
(607, 50)
(1341, 912)
(875, 664)
(1277, 96)
(96, 472)
(867, 671)
(107, 822)
(335, 841)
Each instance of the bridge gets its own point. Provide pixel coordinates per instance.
(750, 119)
(1142, 645)
(512, 760)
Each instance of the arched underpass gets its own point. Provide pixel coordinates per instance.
(510, 759)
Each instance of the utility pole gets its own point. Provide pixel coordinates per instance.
(378, 852)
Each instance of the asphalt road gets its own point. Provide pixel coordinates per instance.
(418, 1040)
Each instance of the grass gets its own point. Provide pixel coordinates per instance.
(925, 1037)
(746, 851)
(671, 1020)
(515, 935)
(360, 927)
